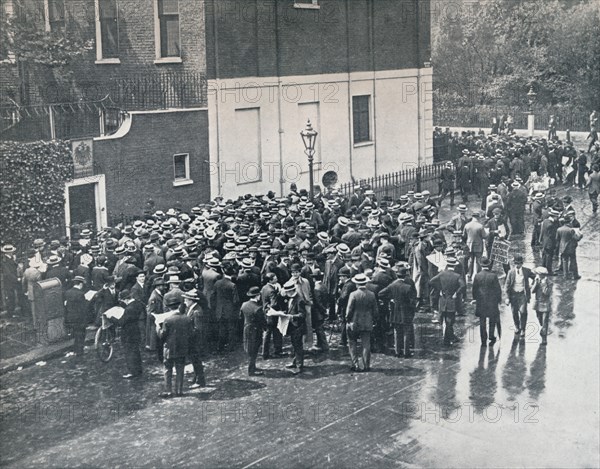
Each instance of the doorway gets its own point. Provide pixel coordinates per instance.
(85, 204)
(82, 206)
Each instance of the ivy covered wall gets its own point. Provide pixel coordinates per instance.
(32, 185)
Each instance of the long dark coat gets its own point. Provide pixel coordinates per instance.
(404, 297)
(76, 308)
(254, 324)
(487, 294)
(175, 334)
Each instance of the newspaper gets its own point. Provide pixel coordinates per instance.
(160, 318)
(116, 312)
(90, 294)
(272, 313)
(283, 324)
(438, 259)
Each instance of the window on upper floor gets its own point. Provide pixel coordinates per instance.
(55, 15)
(107, 30)
(168, 28)
(361, 118)
(309, 4)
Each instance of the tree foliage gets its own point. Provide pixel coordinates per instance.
(46, 58)
(497, 49)
(32, 184)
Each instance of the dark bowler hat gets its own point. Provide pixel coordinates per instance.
(172, 300)
(254, 291)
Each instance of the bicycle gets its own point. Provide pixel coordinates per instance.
(107, 335)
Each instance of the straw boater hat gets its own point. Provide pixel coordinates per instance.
(360, 280)
(290, 289)
(192, 295)
(8, 249)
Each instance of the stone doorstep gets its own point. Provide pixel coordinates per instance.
(41, 353)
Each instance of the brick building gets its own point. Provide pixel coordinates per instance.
(134, 104)
(199, 98)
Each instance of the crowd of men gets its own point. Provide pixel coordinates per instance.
(241, 271)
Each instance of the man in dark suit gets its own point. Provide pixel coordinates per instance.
(175, 334)
(154, 306)
(104, 299)
(296, 311)
(518, 293)
(9, 279)
(227, 309)
(362, 305)
(210, 275)
(447, 178)
(474, 234)
(76, 313)
(403, 297)
(270, 298)
(197, 310)
(320, 303)
(254, 324)
(548, 239)
(450, 286)
(130, 334)
(487, 294)
(99, 273)
(567, 239)
(56, 269)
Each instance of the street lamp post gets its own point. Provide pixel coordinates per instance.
(309, 137)
(531, 117)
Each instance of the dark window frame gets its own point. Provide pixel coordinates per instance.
(109, 24)
(167, 19)
(361, 118)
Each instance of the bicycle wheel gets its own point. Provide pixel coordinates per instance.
(103, 344)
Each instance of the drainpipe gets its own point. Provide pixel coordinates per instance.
(350, 135)
(280, 130)
(372, 38)
(419, 109)
(217, 98)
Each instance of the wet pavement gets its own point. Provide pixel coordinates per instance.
(514, 404)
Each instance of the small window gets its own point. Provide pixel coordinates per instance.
(314, 4)
(108, 17)
(56, 15)
(181, 169)
(361, 119)
(168, 22)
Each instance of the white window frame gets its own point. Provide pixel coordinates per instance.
(313, 5)
(159, 59)
(99, 58)
(187, 179)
